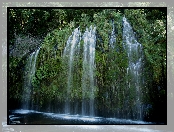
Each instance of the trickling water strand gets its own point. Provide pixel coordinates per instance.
(134, 51)
(34, 63)
(71, 47)
(28, 76)
(88, 71)
(113, 37)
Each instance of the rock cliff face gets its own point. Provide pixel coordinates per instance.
(24, 45)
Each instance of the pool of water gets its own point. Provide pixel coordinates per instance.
(21, 116)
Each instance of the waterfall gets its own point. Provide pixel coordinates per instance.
(30, 69)
(84, 55)
(71, 56)
(72, 46)
(134, 69)
(79, 64)
(88, 71)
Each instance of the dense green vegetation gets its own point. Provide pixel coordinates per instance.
(54, 26)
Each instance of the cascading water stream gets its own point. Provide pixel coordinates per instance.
(71, 55)
(73, 45)
(30, 69)
(134, 69)
(88, 71)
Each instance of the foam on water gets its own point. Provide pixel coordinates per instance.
(22, 111)
(73, 117)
